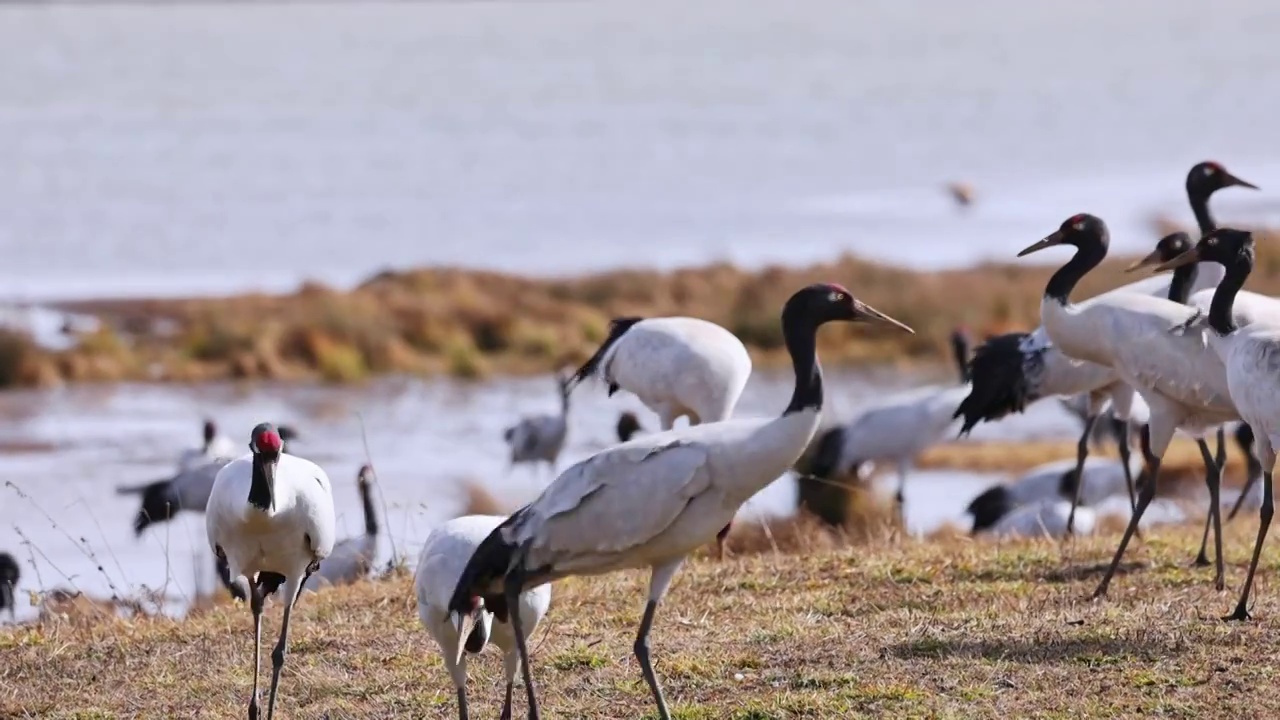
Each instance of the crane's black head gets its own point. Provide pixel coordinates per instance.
(210, 431)
(1081, 230)
(265, 440)
(825, 302)
(1208, 177)
(628, 426)
(1169, 247)
(1227, 246)
(365, 476)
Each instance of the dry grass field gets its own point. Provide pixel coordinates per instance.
(948, 628)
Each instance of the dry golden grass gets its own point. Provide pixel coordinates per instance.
(954, 628)
(471, 323)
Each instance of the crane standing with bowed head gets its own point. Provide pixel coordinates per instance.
(271, 517)
(443, 558)
(651, 501)
(1251, 356)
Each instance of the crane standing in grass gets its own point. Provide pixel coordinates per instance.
(443, 558)
(270, 516)
(651, 501)
(1251, 357)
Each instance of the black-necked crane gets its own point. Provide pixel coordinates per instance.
(540, 438)
(270, 516)
(213, 447)
(675, 365)
(8, 583)
(351, 559)
(650, 502)
(440, 565)
(1250, 354)
(892, 429)
(1183, 382)
(188, 489)
(1013, 370)
(1056, 480)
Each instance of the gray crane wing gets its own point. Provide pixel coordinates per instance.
(617, 499)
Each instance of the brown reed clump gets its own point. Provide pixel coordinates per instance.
(471, 323)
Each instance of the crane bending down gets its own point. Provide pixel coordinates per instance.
(896, 428)
(443, 558)
(651, 501)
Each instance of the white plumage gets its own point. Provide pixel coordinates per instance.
(1250, 357)
(1182, 380)
(891, 429)
(1102, 478)
(540, 438)
(214, 447)
(674, 365)
(445, 554)
(270, 515)
(651, 501)
(1045, 518)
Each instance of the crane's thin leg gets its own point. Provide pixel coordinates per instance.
(1244, 493)
(720, 538)
(513, 586)
(1212, 478)
(1265, 512)
(1121, 430)
(1148, 492)
(506, 703)
(292, 588)
(900, 497)
(255, 604)
(658, 583)
(1082, 452)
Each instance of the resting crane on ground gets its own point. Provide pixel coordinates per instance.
(652, 501)
(540, 438)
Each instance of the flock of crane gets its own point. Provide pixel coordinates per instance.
(1188, 351)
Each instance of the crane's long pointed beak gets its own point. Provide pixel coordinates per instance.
(1054, 239)
(1233, 180)
(463, 623)
(269, 470)
(1152, 259)
(866, 312)
(1186, 258)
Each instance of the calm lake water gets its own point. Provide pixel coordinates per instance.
(68, 449)
(210, 147)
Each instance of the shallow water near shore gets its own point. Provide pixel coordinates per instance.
(66, 451)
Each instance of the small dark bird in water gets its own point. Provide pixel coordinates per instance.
(962, 193)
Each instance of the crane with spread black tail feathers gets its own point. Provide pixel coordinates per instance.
(652, 501)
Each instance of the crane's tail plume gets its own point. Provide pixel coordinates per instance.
(822, 458)
(617, 328)
(482, 577)
(1001, 382)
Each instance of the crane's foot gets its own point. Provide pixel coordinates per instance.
(1202, 560)
(1240, 615)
